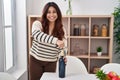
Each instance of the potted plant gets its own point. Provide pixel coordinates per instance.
(117, 29)
(99, 51)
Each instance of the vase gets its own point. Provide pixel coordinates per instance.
(99, 53)
(69, 11)
(83, 30)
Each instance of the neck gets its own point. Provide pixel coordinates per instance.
(51, 27)
(52, 24)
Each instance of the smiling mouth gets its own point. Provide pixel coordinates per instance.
(52, 17)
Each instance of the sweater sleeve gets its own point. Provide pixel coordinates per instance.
(65, 40)
(41, 36)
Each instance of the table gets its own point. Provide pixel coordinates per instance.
(54, 76)
(6, 76)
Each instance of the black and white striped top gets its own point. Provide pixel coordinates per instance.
(44, 46)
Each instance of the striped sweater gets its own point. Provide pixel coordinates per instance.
(44, 46)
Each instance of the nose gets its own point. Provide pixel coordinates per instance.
(51, 14)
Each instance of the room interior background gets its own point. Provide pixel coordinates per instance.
(28, 7)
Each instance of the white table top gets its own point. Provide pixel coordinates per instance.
(6, 76)
(54, 76)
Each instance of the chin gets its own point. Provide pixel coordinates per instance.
(52, 21)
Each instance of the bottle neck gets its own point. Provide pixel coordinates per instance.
(61, 56)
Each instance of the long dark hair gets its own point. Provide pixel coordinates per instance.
(58, 28)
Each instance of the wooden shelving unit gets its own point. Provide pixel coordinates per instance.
(87, 44)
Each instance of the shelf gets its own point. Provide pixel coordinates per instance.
(79, 36)
(103, 56)
(81, 56)
(96, 37)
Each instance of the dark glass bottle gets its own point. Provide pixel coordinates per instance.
(61, 67)
(76, 30)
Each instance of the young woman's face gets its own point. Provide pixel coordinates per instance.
(52, 14)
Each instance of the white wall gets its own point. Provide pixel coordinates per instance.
(1, 40)
(21, 40)
(81, 7)
(21, 35)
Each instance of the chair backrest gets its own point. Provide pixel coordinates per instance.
(74, 66)
(111, 67)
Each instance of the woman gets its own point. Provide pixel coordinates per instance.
(48, 38)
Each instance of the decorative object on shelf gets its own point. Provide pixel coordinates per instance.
(83, 51)
(76, 48)
(104, 30)
(95, 69)
(83, 30)
(117, 30)
(76, 30)
(95, 30)
(99, 51)
(69, 11)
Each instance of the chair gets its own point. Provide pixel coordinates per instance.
(111, 67)
(74, 66)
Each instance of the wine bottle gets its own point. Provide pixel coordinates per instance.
(61, 65)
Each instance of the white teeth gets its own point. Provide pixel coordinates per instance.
(52, 17)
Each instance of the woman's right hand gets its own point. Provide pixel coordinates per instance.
(60, 43)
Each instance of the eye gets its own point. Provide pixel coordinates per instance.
(48, 12)
(54, 12)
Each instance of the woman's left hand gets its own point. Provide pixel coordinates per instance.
(65, 60)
